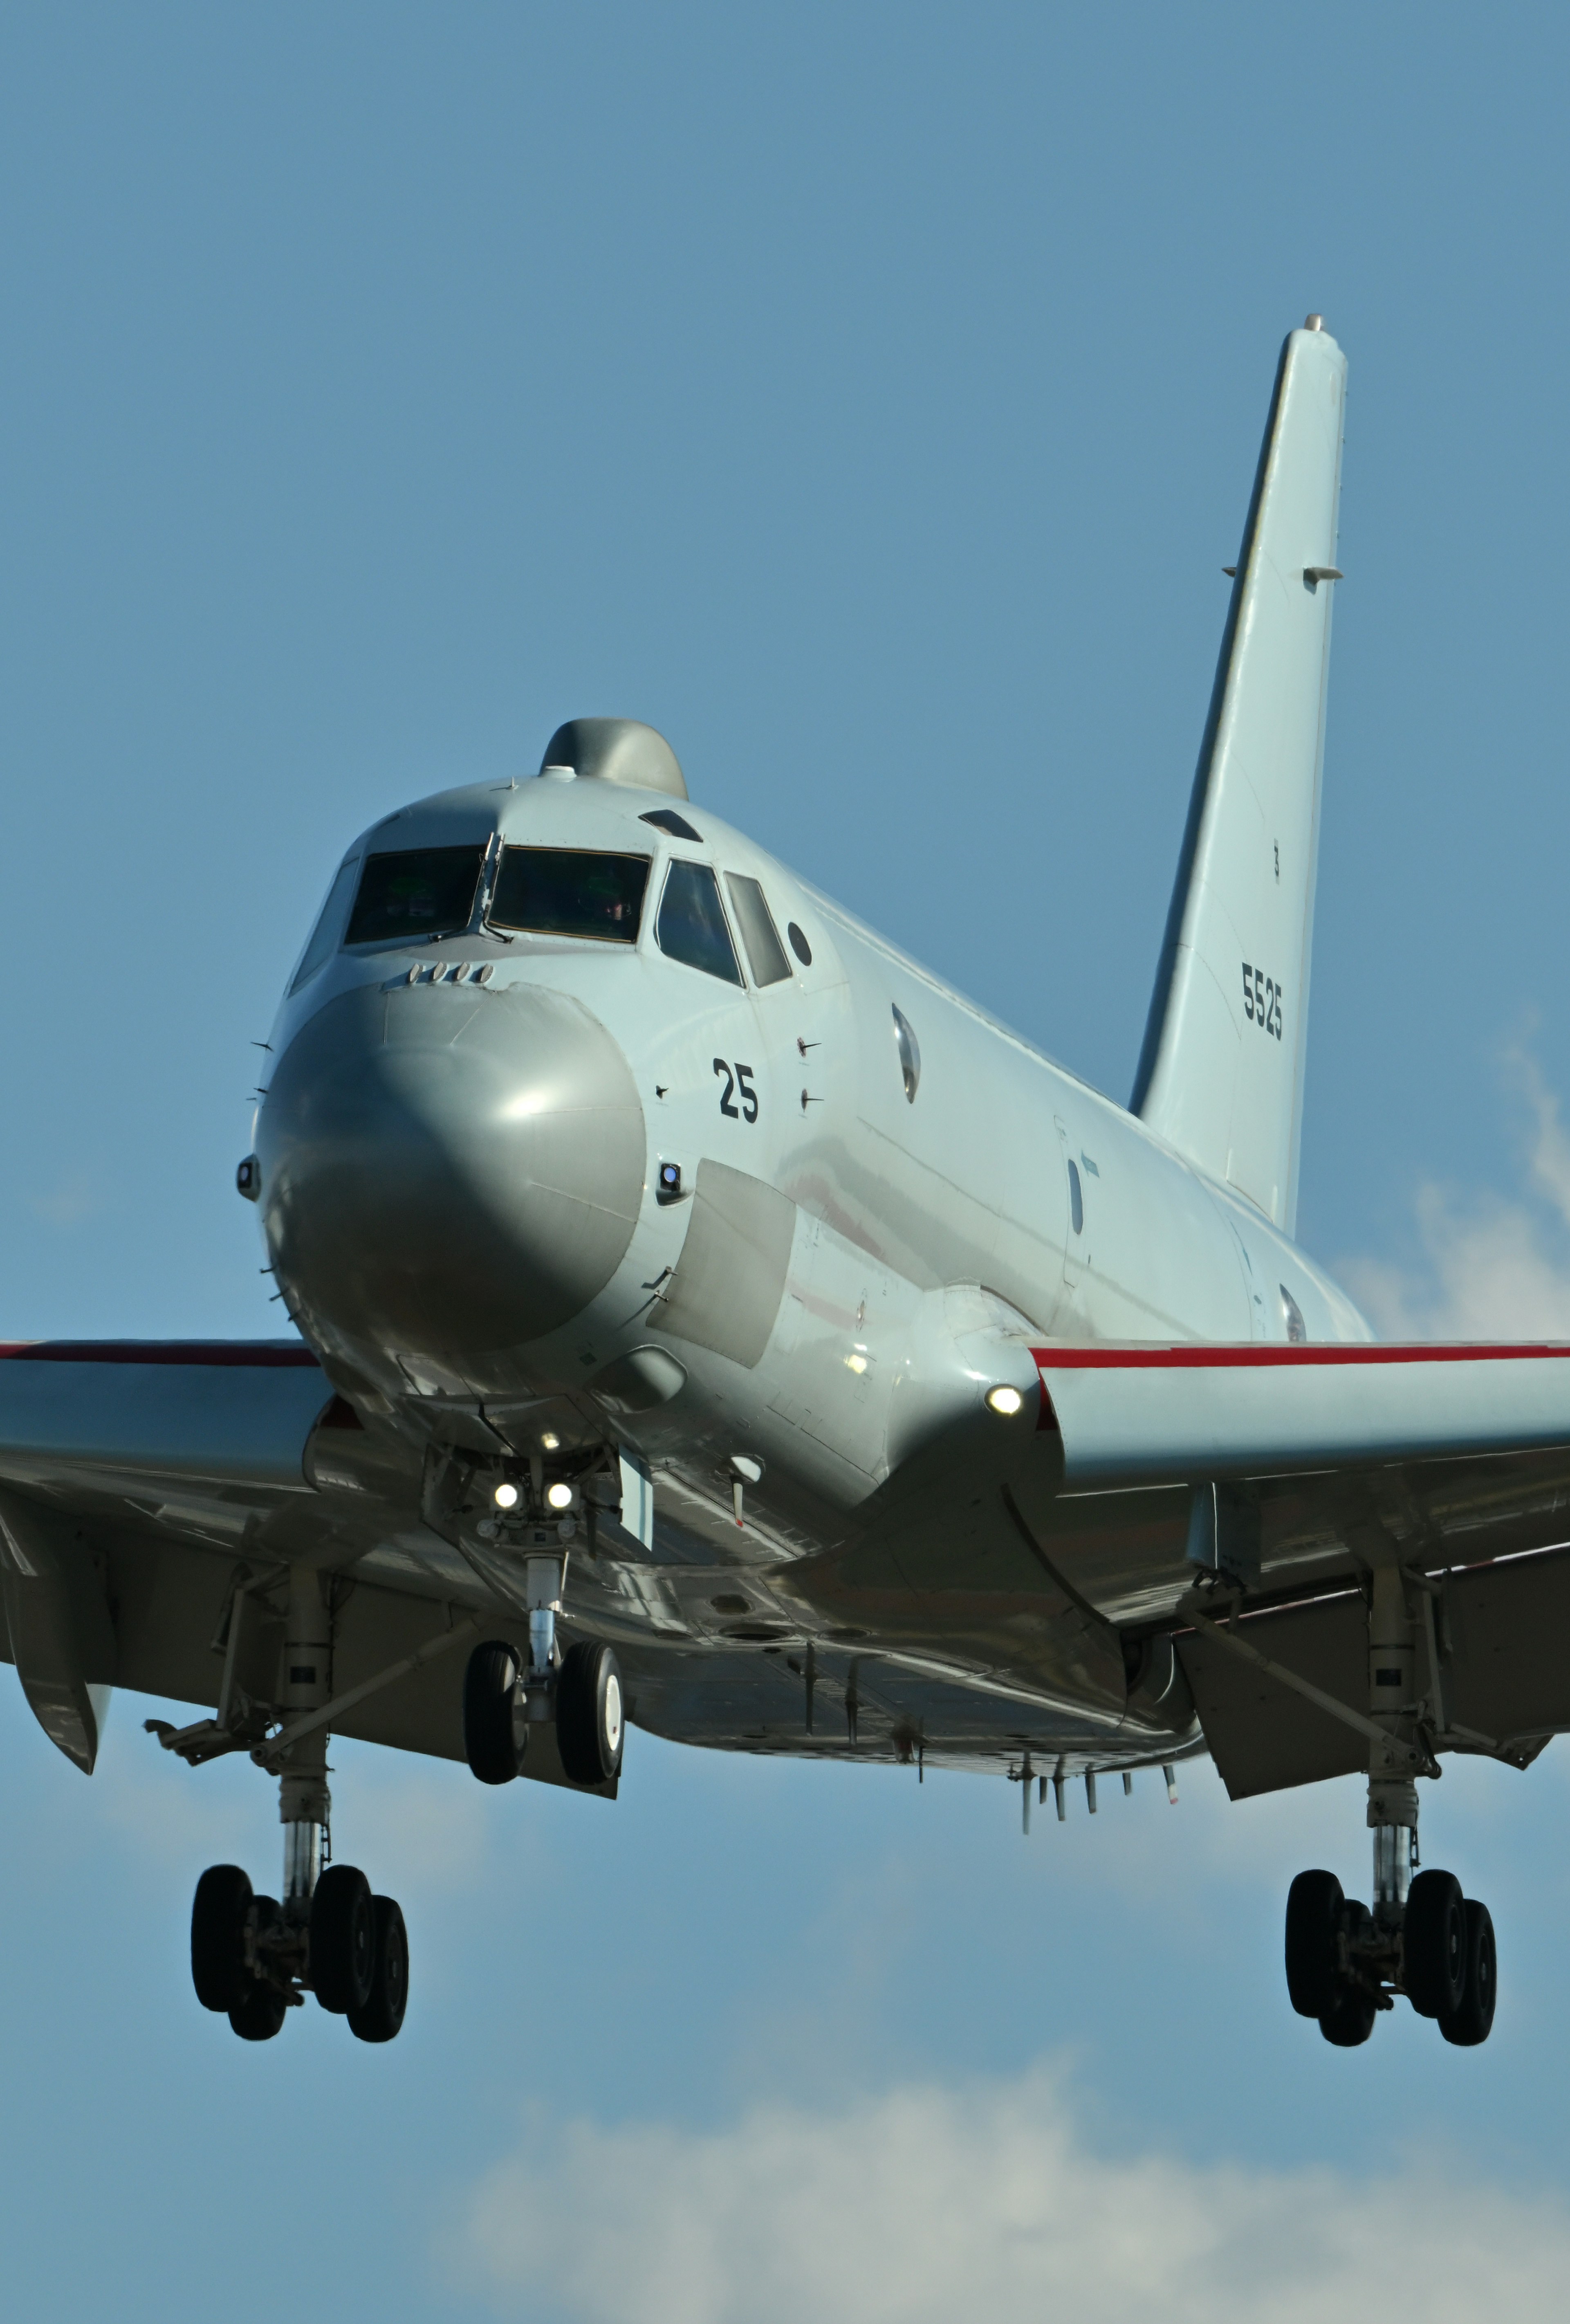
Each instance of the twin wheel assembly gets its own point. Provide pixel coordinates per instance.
(502, 1699)
(1344, 1963)
(252, 1958)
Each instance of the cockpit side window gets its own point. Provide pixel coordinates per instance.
(764, 953)
(692, 925)
(415, 891)
(570, 891)
(329, 921)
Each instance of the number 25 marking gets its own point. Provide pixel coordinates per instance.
(1262, 998)
(742, 1081)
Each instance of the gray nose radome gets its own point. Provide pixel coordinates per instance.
(446, 1169)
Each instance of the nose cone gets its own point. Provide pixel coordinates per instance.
(448, 1170)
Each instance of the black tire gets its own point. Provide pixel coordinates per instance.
(383, 2015)
(342, 1941)
(261, 2015)
(219, 1971)
(490, 1738)
(1314, 1907)
(1434, 1945)
(1473, 2022)
(1349, 2020)
(591, 1723)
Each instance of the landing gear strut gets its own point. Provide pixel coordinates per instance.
(1423, 1937)
(254, 1959)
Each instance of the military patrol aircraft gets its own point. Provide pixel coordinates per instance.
(711, 1322)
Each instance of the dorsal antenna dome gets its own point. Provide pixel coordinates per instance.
(616, 751)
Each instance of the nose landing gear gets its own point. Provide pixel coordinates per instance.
(583, 1694)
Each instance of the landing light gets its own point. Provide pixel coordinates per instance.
(560, 1497)
(550, 1442)
(505, 1497)
(1005, 1400)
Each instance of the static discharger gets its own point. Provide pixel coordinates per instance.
(1026, 1776)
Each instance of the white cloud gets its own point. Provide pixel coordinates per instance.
(926, 2204)
(1495, 1268)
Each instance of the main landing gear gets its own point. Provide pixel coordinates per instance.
(1344, 1963)
(254, 1959)
(1422, 1938)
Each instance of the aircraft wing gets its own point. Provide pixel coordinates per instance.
(1010, 1579)
(1281, 1474)
(149, 1491)
(1155, 1490)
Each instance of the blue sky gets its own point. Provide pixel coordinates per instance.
(869, 397)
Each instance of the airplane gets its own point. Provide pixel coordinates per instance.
(707, 1321)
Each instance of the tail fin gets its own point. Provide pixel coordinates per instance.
(1221, 1073)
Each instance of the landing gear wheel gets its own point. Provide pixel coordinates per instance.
(1349, 2020)
(383, 2015)
(590, 1725)
(219, 1914)
(261, 2015)
(489, 1741)
(1314, 1907)
(1473, 2022)
(343, 1940)
(1434, 1944)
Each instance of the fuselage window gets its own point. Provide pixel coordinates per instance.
(692, 925)
(764, 953)
(324, 934)
(909, 1055)
(570, 891)
(417, 892)
(1292, 1314)
(1076, 1199)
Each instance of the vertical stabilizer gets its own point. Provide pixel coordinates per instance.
(1221, 1073)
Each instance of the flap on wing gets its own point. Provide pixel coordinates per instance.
(1504, 1677)
(1262, 1736)
(1129, 1415)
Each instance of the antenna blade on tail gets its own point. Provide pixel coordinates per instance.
(1221, 1073)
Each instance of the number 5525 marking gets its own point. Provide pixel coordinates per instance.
(1262, 999)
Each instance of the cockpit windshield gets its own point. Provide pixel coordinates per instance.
(570, 891)
(417, 892)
